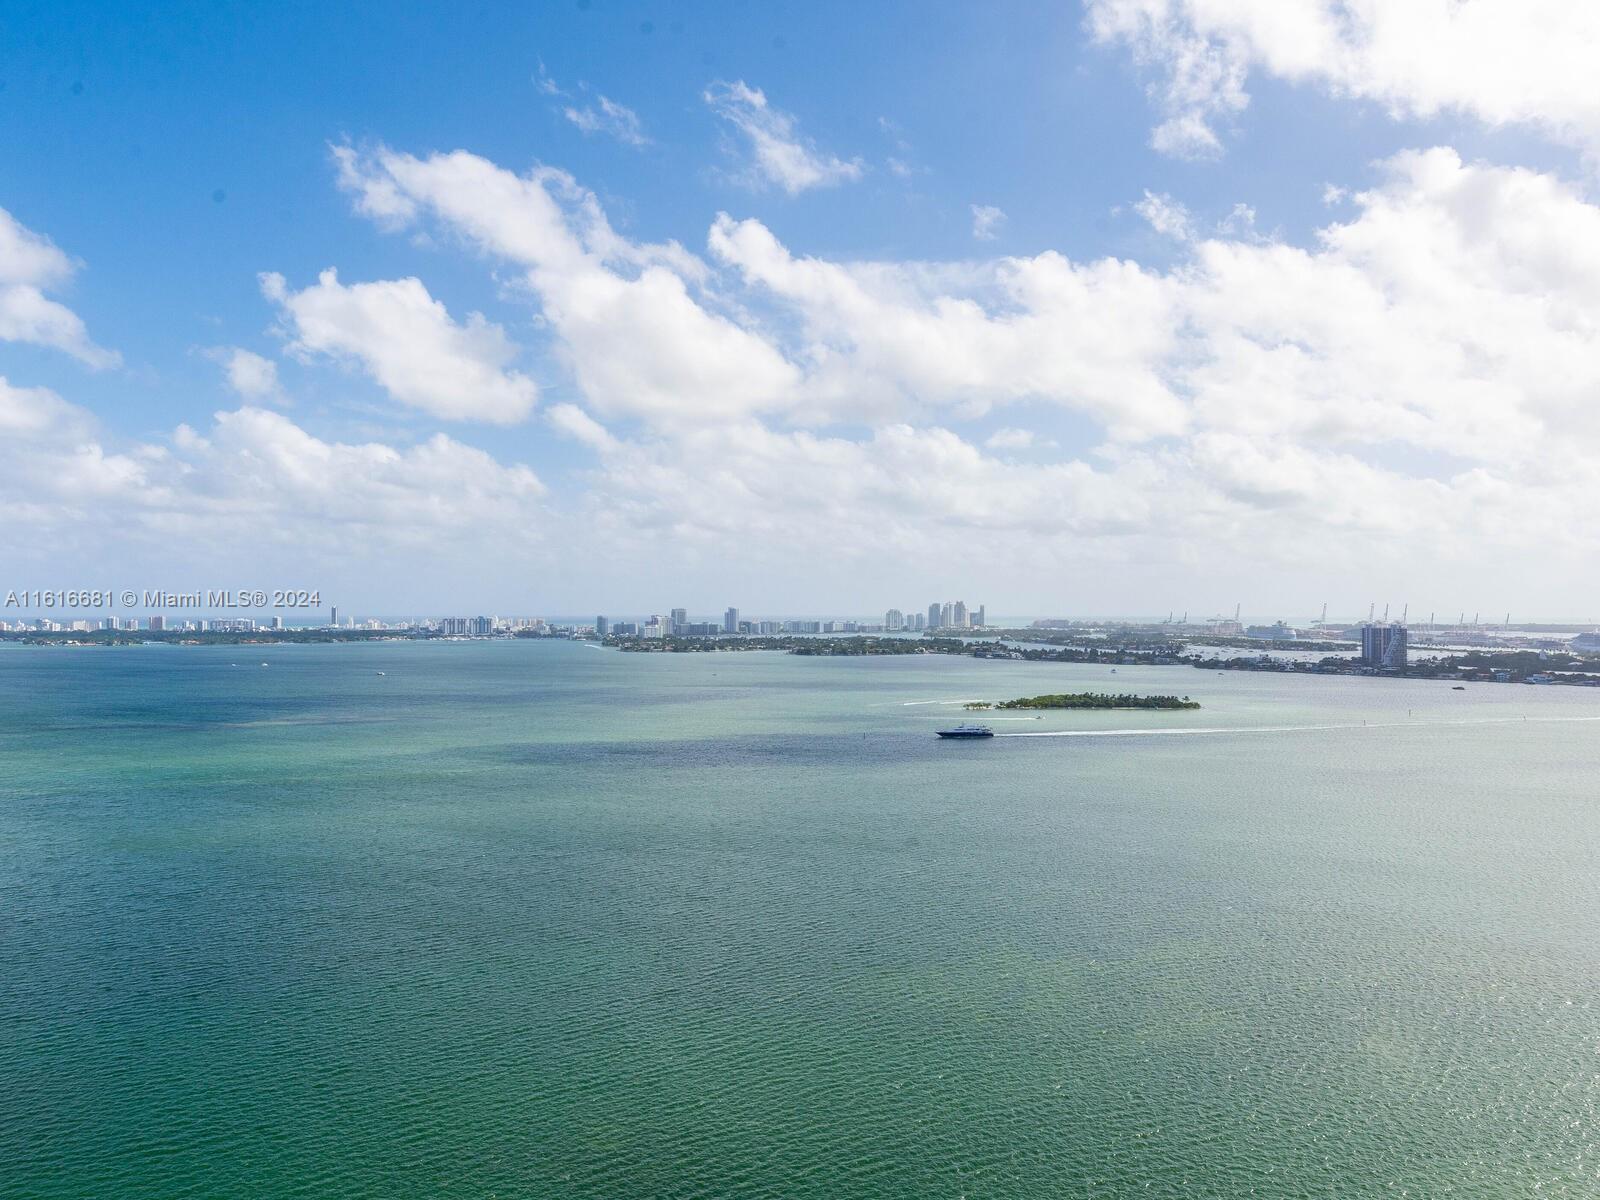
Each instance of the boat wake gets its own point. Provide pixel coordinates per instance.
(1216, 729)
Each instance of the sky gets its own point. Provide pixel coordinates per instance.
(1126, 307)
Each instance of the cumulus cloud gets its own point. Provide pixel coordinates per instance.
(1422, 371)
(638, 333)
(1500, 62)
(881, 339)
(1412, 322)
(30, 265)
(253, 476)
(250, 375)
(780, 155)
(406, 340)
(886, 506)
(986, 222)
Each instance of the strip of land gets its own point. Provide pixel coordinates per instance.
(1087, 700)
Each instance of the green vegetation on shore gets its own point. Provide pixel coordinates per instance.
(1089, 700)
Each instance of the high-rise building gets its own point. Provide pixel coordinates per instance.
(277, 622)
(958, 614)
(157, 624)
(602, 627)
(334, 618)
(947, 616)
(933, 616)
(1383, 646)
(680, 618)
(108, 623)
(978, 617)
(730, 621)
(919, 621)
(894, 620)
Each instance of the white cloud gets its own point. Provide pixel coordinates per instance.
(407, 341)
(258, 465)
(254, 477)
(1240, 221)
(581, 427)
(28, 257)
(30, 264)
(251, 376)
(780, 154)
(608, 117)
(1415, 386)
(1500, 62)
(1222, 506)
(986, 222)
(28, 412)
(1166, 216)
(640, 336)
(884, 339)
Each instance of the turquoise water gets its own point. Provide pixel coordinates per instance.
(536, 919)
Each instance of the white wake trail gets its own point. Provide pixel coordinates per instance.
(1045, 733)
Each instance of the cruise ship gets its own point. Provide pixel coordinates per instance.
(967, 731)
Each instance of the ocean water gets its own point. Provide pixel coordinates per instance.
(536, 919)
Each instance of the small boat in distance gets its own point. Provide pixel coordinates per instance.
(967, 731)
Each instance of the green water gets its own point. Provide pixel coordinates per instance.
(522, 919)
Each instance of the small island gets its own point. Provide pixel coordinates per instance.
(1087, 700)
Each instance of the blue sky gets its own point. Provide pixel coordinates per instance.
(178, 152)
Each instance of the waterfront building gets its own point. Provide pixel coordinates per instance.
(946, 616)
(333, 619)
(730, 620)
(679, 619)
(602, 627)
(108, 623)
(919, 621)
(1383, 646)
(157, 624)
(894, 620)
(933, 616)
(958, 615)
